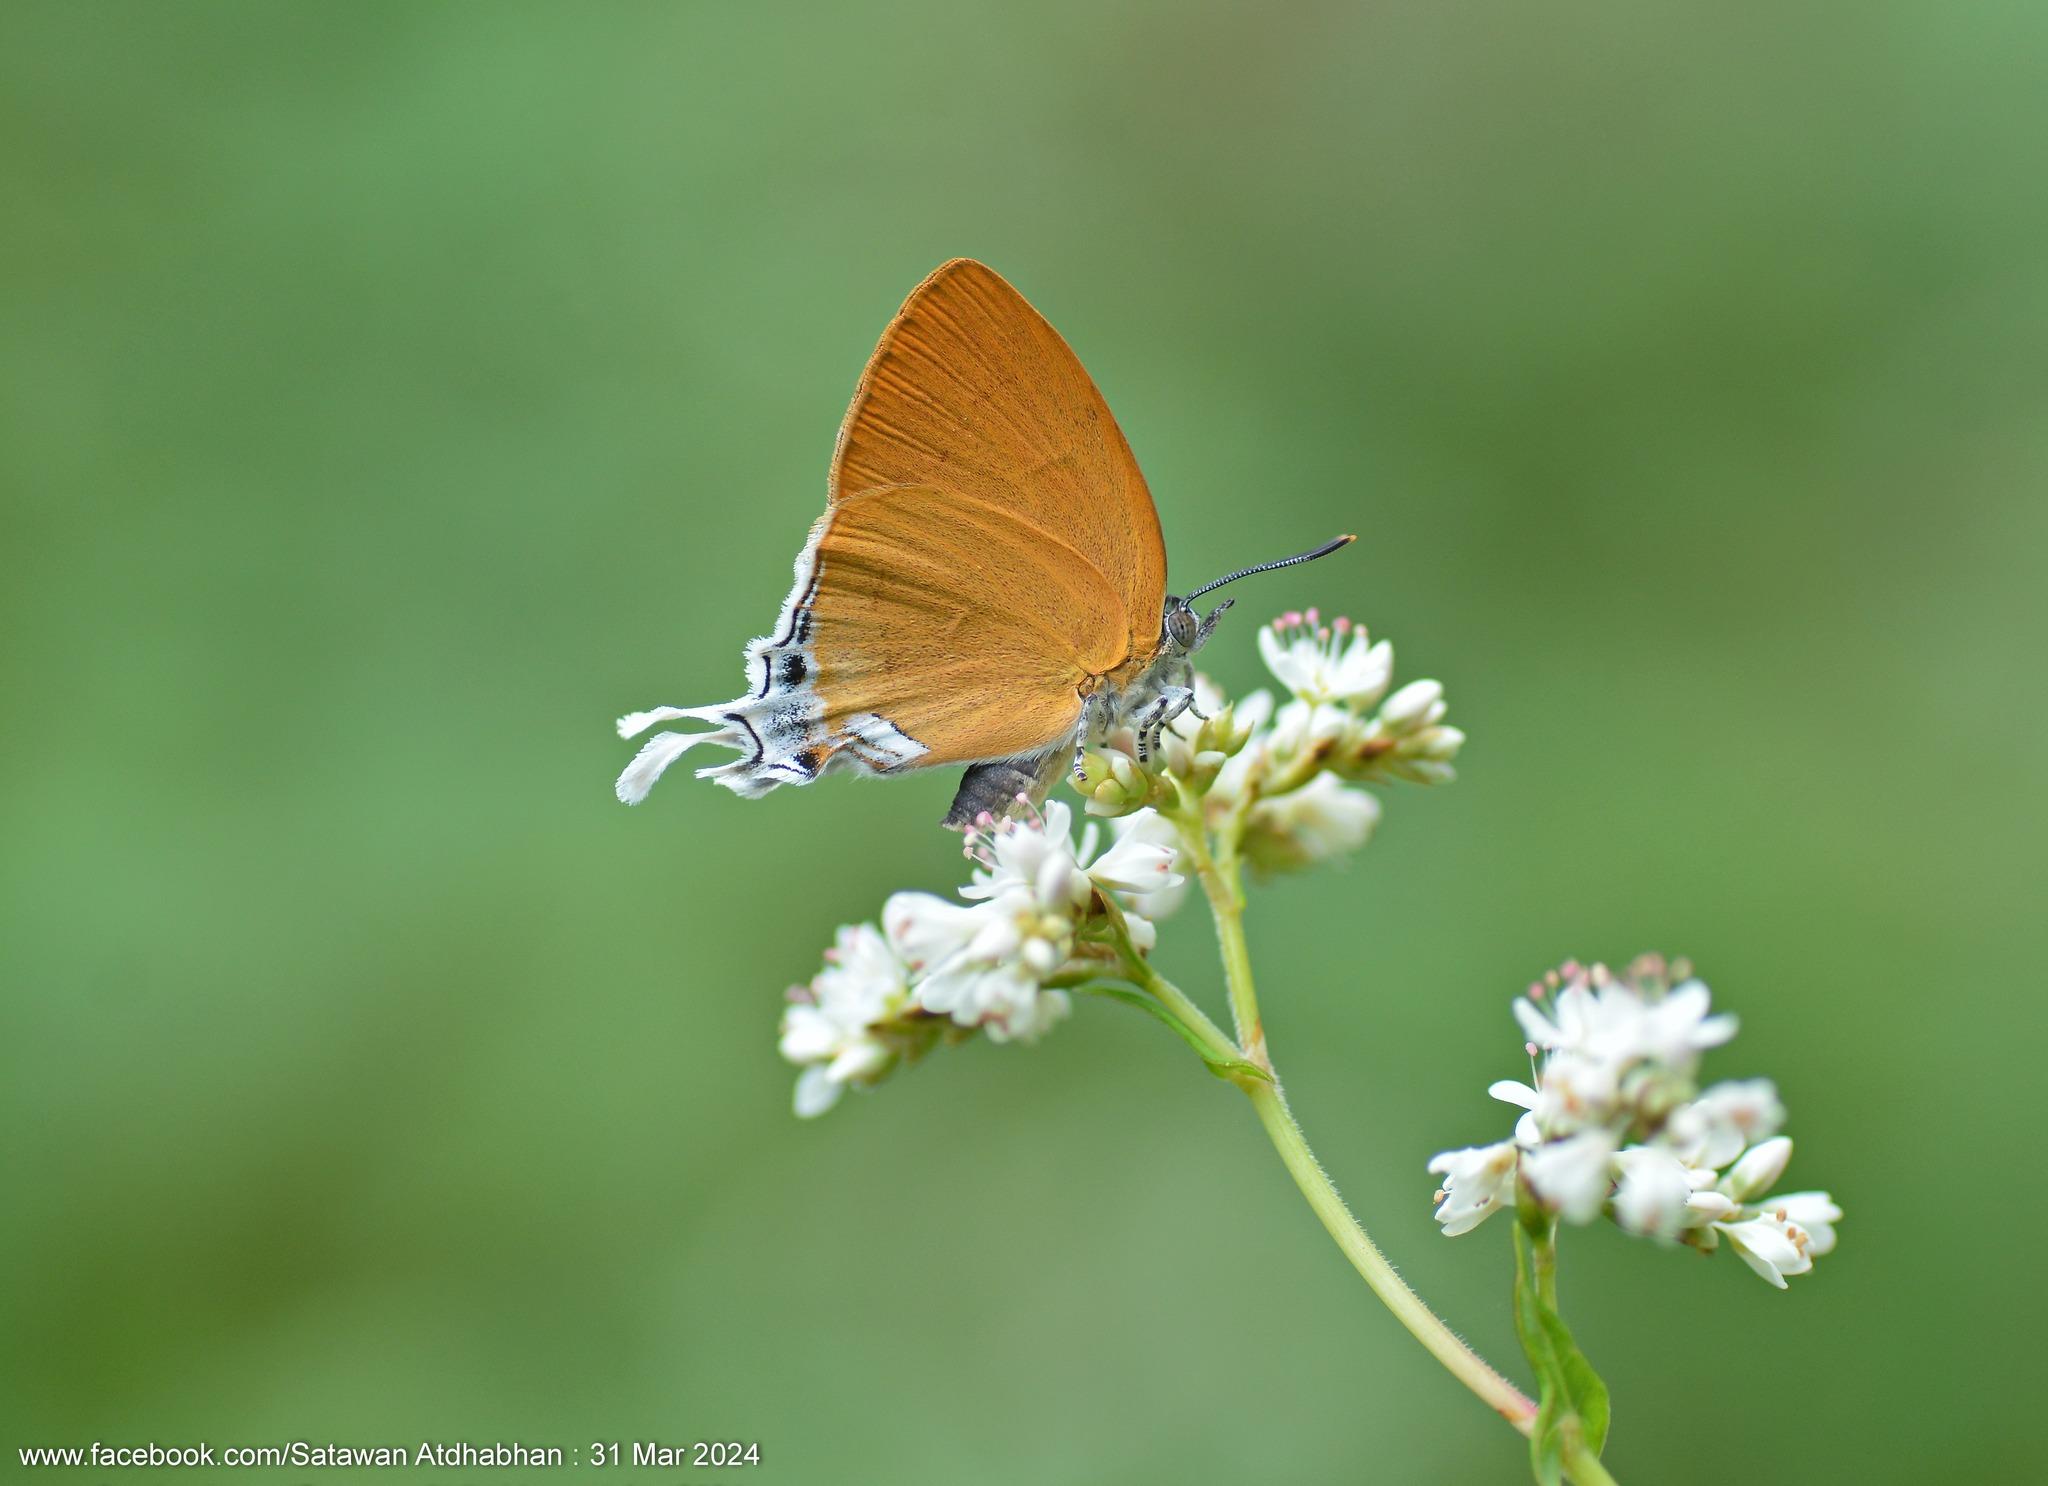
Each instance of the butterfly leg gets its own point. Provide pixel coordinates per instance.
(1209, 625)
(1169, 704)
(1186, 679)
(1094, 720)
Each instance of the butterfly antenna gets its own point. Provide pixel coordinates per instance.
(1266, 567)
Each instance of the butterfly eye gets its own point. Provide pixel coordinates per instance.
(1180, 624)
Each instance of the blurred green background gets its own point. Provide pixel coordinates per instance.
(395, 394)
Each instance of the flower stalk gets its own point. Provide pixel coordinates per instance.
(1222, 883)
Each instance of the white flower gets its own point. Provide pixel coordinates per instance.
(1576, 1092)
(1652, 1196)
(1708, 1206)
(1513, 1091)
(1620, 1052)
(1478, 1182)
(1581, 1022)
(1572, 1176)
(1326, 663)
(1675, 1028)
(985, 963)
(1616, 1057)
(1772, 1246)
(1034, 854)
(1759, 1168)
(1418, 705)
(1324, 818)
(982, 964)
(1307, 727)
(1776, 1236)
(1143, 865)
(1606, 1017)
(929, 932)
(1815, 1212)
(1001, 999)
(1713, 1129)
(1409, 738)
(832, 1026)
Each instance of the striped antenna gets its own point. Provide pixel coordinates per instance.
(1266, 567)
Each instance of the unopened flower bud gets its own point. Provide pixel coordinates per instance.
(1414, 706)
(1758, 1170)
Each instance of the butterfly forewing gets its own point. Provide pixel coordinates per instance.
(970, 390)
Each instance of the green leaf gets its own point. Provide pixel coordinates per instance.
(1587, 1392)
(1237, 1070)
(1572, 1406)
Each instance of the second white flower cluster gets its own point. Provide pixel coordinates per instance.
(939, 970)
(1615, 1123)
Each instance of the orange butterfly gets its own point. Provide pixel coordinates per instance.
(986, 587)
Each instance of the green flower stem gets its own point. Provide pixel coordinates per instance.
(1222, 882)
(1583, 1466)
(1466, 1365)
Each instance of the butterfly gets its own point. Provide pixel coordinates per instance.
(987, 585)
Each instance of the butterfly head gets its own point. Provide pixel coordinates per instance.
(1182, 631)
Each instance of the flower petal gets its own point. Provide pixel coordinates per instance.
(816, 1092)
(1758, 1169)
(1572, 1175)
(1652, 1194)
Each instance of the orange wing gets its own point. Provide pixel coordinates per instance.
(959, 623)
(971, 390)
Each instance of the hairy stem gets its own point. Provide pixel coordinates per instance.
(1221, 881)
(1466, 1365)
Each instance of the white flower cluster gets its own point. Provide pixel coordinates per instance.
(938, 968)
(1291, 768)
(1338, 717)
(853, 1022)
(1616, 1123)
